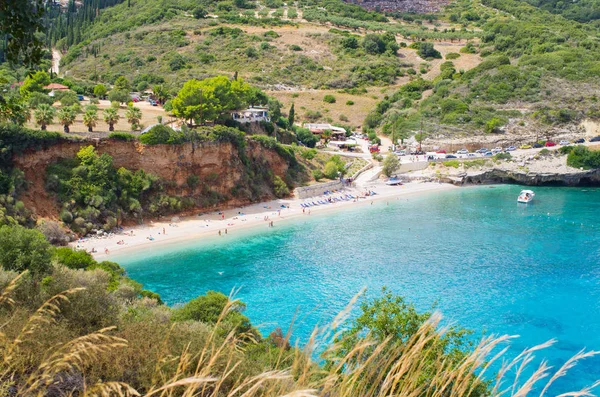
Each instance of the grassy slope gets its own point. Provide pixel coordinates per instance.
(131, 47)
(550, 86)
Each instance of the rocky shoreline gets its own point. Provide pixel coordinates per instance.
(528, 167)
(493, 176)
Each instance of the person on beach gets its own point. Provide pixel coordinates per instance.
(219, 232)
(164, 232)
(106, 251)
(225, 231)
(223, 216)
(303, 210)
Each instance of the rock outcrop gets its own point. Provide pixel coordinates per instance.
(583, 178)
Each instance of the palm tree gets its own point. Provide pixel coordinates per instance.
(89, 119)
(111, 116)
(160, 93)
(134, 115)
(44, 115)
(66, 116)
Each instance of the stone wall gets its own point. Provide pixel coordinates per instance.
(316, 190)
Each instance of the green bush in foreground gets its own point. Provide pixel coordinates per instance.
(24, 249)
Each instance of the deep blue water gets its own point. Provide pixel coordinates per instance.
(492, 265)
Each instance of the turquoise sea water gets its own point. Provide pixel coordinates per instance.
(491, 264)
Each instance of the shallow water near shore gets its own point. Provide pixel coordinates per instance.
(492, 265)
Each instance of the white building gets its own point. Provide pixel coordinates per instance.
(318, 129)
(251, 114)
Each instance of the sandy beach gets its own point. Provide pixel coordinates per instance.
(228, 222)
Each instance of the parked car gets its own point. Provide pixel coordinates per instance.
(525, 146)
(488, 154)
(482, 150)
(550, 144)
(595, 139)
(580, 140)
(462, 151)
(511, 148)
(496, 150)
(450, 156)
(537, 145)
(153, 102)
(564, 142)
(80, 97)
(441, 151)
(472, 155)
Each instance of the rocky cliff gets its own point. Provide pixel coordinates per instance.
(221, 165)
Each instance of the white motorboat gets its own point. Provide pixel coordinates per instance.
(526, 196)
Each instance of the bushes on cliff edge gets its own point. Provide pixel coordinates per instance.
(161, 134)
(582, 157)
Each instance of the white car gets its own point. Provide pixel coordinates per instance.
(462, 151)
(564, 142)
(472, 154)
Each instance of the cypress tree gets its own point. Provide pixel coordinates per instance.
(291, 116)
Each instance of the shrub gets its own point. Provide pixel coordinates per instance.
(313, 115)
(502, 156)
(121, 136)
(208, 309)
(37, 98)
(24, 249)
(295, 47)
(309, 154)
(493, 125)
(349, 103)
(426, 50)
(562, 149)
(452, 55)
(73, 259)
(317, 174)
(329, 99)
(390, 164)
(331, 170)
(161, 134)
(53, 232)
(582, 157)
(280, 188)
(306, 137)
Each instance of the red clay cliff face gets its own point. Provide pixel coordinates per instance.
(219, 163)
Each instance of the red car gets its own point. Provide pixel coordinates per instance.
(550, 143)
(441, 152)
